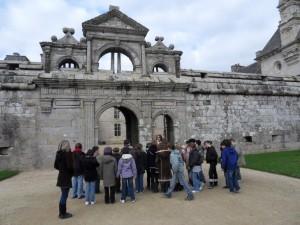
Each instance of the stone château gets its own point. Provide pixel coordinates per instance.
(65, 94)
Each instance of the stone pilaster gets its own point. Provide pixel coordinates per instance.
(144, 68)
(89, 123)
(112, 61)
(119, 63)
(89, 56)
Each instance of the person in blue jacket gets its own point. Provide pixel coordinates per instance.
(229, 164)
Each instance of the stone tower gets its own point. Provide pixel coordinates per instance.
(281, 55)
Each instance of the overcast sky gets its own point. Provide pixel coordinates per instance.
(213, 35)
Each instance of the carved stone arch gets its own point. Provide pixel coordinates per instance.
(132, 116)
(63, 58)
(161, 64)
(164, 112)
(111, 104)
(171, 128)
(123, 48)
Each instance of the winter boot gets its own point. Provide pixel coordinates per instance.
(63, 214)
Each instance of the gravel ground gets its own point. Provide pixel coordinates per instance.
(31, 198)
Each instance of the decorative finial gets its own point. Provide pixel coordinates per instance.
(113, 7)
(171, 46)
(69, 31)
(53, 38)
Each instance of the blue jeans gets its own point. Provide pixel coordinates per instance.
(180, 177)
(64, 196)
(226, 178)
(127, 188)
(139, 183)
(196, 181)
(77, 185)
(232, 181)
(90, 191)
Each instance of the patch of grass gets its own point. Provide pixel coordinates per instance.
(284, 163)
(4, 174)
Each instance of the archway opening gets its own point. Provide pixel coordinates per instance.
(116, 60)
(160, 68)
(117, 124)
(68, 64)
(163, 124)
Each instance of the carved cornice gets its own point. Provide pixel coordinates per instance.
(61, 45)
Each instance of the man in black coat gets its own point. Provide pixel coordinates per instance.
(77, 179)
(212, 160)
(195, 167)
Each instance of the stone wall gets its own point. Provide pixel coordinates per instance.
(38, 111)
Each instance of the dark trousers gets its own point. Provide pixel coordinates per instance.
(63, 201)
(212, 173)
(154, 180)
(64, 196)
(97, 185)
(109, 196)
(118, 184)
(164, 186)
(148, 179)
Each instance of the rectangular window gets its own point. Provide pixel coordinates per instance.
(116, 113)
(117, 130)
(248, 138)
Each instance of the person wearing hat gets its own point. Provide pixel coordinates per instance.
(116, 154)
(108, 171)
(64, 164)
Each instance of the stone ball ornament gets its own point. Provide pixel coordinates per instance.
(65, 30)
(53, 38)
(171, 46)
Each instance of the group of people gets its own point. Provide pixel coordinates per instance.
(120, 169)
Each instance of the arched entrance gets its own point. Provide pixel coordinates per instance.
(163, 124)
(117, 123)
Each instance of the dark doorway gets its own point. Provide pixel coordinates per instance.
(163, 124)
(117, 124)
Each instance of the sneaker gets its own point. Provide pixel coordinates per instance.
(122, 201)
(86, 203)
(201, 188)
(194, 191)
(133, 201)
(75, 196)
(93, 203)
(167, 195)
(81, 197)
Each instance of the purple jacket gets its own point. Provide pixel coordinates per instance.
(126, 167)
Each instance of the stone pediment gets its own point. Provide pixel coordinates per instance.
(114, 21)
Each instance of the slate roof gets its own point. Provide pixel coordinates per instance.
(273, 44)
(252, 68)
(16, 57)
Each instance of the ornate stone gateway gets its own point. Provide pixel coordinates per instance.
(64, 96)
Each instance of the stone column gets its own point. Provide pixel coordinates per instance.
(89, 56)
(89, 123)
(112, 61)
(119, 63)
(144, 68)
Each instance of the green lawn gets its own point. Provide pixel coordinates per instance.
(4, 174)
(285, 163)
